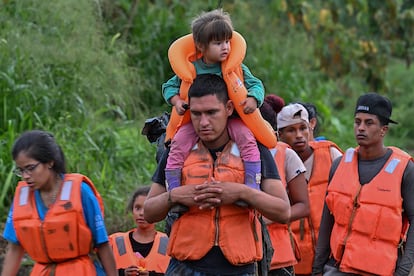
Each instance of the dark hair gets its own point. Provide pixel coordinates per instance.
(383, 121)
(311, 108)
(208, 84)
(141, 191)
(312, 113)
(212, 25)
(41, 146)
(272, 105)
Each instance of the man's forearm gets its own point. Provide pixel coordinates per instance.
(157, 204)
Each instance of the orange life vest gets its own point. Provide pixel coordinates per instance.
(156, 260)
(235, 229)
(368, 218)
(62, 241)
(307, 230)
(182, 53)
(283, 240)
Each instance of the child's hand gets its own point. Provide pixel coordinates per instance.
(132, 270)
(250, 105)
(143, 272)
(180, 105)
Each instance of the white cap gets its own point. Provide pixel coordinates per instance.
(292, 114)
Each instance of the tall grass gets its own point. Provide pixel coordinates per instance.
(60, 73)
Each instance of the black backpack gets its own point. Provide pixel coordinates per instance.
(154, 128)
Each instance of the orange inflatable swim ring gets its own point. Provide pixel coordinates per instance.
(182, 53)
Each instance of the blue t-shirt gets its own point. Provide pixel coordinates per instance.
(91, 211)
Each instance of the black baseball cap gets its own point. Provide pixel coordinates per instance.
(374, 103)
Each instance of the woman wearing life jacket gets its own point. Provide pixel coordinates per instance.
(212, 48)
(367, 222)
(142, 250)
(293, 129)
(292, 174)
(56, 217)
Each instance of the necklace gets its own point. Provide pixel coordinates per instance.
(50, 198)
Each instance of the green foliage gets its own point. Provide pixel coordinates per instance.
(150, 27)
(58, 72)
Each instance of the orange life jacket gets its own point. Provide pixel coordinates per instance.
(283, 240)
(368, 218)
(235, 229)
(307, 230)
(156, 260)
(182, 53)
(62, 241)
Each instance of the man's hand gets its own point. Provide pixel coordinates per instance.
(217, 193)
(208, 195)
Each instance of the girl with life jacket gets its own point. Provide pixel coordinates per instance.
(292, 173)
(317, 156)
(212, 48)
(56, 217)
(142, 250)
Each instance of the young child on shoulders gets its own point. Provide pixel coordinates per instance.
(212, 32)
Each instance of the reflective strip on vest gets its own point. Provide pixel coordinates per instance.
(162, 248)
(273, 152)
(235, 150)
(120, 244)
(392, 165)
(24, 196)
(349, 155)
(66, 190)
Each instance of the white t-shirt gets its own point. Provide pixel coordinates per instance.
(293, 165)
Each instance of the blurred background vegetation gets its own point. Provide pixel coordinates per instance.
(90, 72)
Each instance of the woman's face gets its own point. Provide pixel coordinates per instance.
(35, 173)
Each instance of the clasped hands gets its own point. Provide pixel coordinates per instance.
(209, 194)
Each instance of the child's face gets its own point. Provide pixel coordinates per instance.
(138, 213)
(216, 51)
